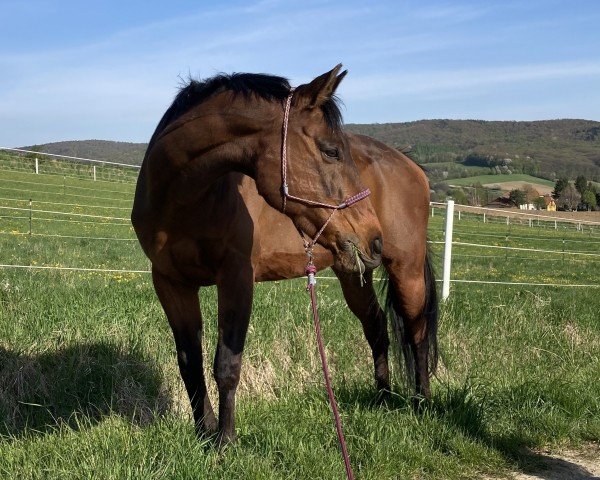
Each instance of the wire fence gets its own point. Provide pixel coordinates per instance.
(70, 204)
(27, 161)
(511, 217)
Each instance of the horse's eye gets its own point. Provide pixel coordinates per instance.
(332, 153)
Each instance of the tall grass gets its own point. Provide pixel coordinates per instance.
(89, 386)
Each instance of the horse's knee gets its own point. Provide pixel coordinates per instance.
(227, 373)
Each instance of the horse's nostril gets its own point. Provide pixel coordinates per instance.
(376, 246)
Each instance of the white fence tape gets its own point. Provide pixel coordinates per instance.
(500, 213)
(80, 205)
(561, 252)
(86, 215)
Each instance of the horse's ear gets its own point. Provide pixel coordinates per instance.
(317, 92)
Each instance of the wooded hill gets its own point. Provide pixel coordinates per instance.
(449, 148)
(546, 149)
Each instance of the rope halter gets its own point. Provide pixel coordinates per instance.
(285, 191)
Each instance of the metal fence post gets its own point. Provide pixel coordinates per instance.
(30, 205)
(447, 249)
(37, 166)
(94, 170)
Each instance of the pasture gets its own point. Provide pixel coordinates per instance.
(89, 385)
(513, 180)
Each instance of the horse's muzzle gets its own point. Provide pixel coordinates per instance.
(374, 260)
(361, 260)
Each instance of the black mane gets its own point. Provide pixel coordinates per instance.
(267, 87)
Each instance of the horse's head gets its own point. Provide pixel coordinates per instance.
(320, 169)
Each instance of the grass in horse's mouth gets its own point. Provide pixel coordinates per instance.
(358, 263)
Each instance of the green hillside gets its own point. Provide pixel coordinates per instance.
(449, 148)
(548, 149)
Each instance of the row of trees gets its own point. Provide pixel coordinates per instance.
(568, 195)
(579, 195)
(499, 165)
(527, 195)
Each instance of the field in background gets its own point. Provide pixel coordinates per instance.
(506, 182)
(89, 383)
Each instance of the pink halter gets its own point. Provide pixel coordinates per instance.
(286, 193)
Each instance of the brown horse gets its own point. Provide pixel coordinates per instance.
(196, 229)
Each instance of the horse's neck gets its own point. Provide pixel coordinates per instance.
(198, 150)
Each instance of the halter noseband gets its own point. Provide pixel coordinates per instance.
(285, 192)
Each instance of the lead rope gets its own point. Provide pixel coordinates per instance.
(311, 270)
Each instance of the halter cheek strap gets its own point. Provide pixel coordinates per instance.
(308, 245)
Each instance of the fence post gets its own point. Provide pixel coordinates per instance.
(459, 214)
(432, 212)
(447, 249)
(484, 218)
(30, 202)
(37, 166)
(94, 170)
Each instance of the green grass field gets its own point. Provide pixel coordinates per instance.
(491, 179)
(89, 386)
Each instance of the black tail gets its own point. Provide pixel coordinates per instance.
(402, 340)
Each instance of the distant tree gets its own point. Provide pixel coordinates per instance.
(517, 197)
(581, 184)
(530, 193)
(569, 197)
(560, 185)
(459, 196)
(589, 198)
(539, 203)
(477, 195)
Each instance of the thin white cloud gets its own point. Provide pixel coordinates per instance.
(450, 13)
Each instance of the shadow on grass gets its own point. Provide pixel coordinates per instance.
(86, 381)
(463, 408)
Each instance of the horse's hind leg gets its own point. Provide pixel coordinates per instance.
(363, 303)
(413, 301)
(235, 303)
(181, 305)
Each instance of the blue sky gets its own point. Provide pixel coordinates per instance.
(108, 70)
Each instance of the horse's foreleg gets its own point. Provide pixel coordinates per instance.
(181, 305)
(363, 303)
(235, 304)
